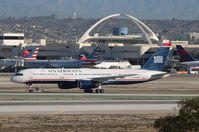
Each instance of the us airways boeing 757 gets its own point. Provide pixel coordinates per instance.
(88, 79)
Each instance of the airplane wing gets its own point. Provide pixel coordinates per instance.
(101, 79)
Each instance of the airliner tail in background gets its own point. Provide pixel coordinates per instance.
(25, 52)
(30, 55)
(93, 58)
(158, 61)
(184, 55)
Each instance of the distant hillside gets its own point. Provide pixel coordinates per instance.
(69, 29)
(145, 9)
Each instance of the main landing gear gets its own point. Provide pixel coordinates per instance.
(91, 91)
(98, 90)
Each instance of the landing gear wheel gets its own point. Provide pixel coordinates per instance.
(30, 90)
(99, 90)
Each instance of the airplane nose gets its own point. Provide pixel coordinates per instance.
(13, 79)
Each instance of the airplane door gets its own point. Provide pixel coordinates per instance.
(30, 74)
(62, 75)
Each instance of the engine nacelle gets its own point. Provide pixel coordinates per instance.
(67, 85)
(88, 84)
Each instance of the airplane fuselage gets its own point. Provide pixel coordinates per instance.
(108, 76)
(191, 63)
(53, 64)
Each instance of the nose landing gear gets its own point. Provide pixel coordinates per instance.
(29, 87)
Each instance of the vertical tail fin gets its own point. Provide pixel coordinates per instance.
(159, 59)
(83, 57)
(32, 55)
(184, 55)
(95, 54)
(25, 52)
(93, 57)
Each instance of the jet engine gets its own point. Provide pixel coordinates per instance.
(88, 84)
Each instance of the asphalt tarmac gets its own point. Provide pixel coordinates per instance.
(88, 107)
(181, 84)
(160, 96)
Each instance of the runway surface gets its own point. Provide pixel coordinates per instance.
(174, 84)
(97, 94)
(88, 107)
(159, 96)
(94, 96)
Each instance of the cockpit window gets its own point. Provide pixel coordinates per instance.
(19, 74)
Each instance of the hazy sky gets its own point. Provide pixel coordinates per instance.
(145, 9)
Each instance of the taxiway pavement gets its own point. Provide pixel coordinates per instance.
(89, 107)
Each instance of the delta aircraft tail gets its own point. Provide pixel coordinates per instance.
(158, 61)
(184, 55)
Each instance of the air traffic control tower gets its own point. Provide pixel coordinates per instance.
(120, 43)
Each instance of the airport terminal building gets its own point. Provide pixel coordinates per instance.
(117, 45)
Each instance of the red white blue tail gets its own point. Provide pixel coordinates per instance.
(93, 57)
(25, 52)
(95, 54)
(30, 56)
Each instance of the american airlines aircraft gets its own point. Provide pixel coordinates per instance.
(93, 58)
(30, 56)
(12, 64)
(185, 57)
(88, 79)
(32, 62)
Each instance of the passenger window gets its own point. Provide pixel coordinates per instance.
(19, 74)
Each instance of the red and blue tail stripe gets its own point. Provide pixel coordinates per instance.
(25, 52)
(93, 57)
(184, 55)
(95, 54)
(32, 55)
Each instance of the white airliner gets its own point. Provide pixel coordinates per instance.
(116, 64)
(87, 79)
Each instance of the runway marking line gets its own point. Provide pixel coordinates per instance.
(58, 112)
